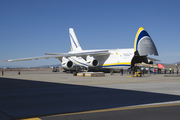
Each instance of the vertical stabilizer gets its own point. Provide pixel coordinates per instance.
(75, 46)
(143, 44)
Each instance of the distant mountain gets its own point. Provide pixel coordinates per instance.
(10, 67)
(178, 63)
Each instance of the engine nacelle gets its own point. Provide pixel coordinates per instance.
(66, 63)
(92, 62)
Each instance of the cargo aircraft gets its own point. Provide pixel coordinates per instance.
(104, 58)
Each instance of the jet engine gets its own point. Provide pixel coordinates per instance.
(91, 61)
(66, 63)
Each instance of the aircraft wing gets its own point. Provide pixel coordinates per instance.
(52, 53)
(31, 58)
(60, 55)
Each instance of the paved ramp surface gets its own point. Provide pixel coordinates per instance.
(28, 98)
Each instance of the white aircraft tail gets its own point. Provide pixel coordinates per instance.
(75, 46)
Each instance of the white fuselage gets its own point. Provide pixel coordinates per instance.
(118, 58)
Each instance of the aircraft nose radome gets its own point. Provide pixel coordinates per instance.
(144, 44)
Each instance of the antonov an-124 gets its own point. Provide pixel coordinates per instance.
(106, 58)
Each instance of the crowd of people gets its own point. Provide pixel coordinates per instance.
(150, 71)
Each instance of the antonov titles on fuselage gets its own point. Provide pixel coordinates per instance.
(106, 58)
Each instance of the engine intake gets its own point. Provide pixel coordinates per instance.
(92, 61)
(95, 63)
(66, 63)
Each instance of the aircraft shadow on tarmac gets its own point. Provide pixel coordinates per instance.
(22, 98)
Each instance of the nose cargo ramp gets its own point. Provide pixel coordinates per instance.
(144, 45)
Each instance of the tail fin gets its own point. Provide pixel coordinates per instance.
(143, 43)
(75, 46)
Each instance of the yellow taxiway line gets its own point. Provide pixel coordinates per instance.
(109, 110)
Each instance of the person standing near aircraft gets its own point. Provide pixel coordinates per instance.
(130, 71)
(19, 72)
(177, 70)
(143, 71)
(154, 71)
(170, 70)
(2, 73)
(121, 71)
(112, 72)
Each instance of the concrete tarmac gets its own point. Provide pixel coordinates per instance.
(41, 94)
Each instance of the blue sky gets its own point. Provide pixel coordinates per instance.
(30, 28)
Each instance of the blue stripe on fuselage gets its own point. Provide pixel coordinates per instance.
(115, 65)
